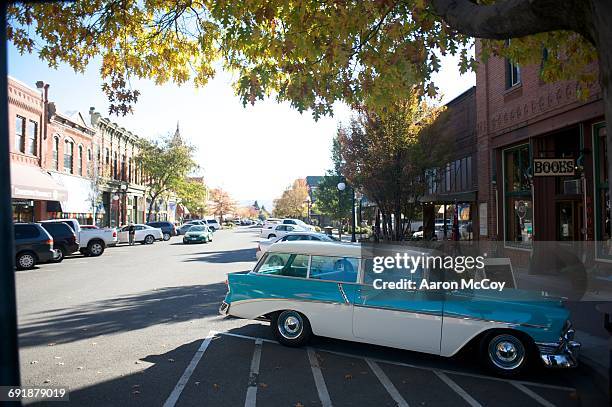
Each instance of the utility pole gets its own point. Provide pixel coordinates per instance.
(9, 350)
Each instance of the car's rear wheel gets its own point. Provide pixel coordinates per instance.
(291, 328)
(166, 237)
(505, 353)
(149, 239)
(25, 260)
(95, 248)
(58, 255)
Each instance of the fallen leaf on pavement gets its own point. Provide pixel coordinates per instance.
(34, 362)
(348, 376)
(47, 381)
(80, 368)
(263, 385)
(216, 386)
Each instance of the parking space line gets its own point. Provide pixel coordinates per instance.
(251, 396)
(533, 395)
(469, 399)
(180, 385)
(318, 378)
(387, 384)
(448, 371)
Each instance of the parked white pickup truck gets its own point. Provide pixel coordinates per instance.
(92, 241)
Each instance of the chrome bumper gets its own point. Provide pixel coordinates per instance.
(224, 308)
(563, 354)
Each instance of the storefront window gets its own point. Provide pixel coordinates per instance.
(518, 200)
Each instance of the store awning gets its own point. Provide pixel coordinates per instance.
(29, 182)
(80, 193)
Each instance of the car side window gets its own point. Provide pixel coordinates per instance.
(284, 264)
(342, 269)
(26, 232)
(139, 227)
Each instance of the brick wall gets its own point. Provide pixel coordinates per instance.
(507, 116)
(27, 103)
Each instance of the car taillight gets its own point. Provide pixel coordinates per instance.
(114, 233)
(226, 282)
(49, 242)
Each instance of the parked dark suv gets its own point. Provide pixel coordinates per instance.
(64, 239)
(168, 229)
(33, 245)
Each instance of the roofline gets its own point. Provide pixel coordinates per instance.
(461, 96)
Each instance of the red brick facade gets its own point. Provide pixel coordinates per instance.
(550, 120)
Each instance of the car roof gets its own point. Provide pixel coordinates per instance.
(342, 249)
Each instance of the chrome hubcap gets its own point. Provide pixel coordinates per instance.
(26, 261)
(96, 248)
(506, 352)
(290, 326)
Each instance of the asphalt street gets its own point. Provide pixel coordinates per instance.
(139, 326)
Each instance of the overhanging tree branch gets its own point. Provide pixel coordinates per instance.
(514, 18)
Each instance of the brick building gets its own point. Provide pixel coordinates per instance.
(453, 188)
(541, 158)
(120, 191)
(32, 188)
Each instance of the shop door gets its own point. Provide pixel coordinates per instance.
(570, 220)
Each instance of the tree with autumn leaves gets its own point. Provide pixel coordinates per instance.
(222, 203)
(387, 158)
(292, 203)
(312, 53)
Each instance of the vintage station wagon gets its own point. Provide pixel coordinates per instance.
(327, 289)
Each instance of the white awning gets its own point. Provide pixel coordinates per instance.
(29, 182)
(80, 193)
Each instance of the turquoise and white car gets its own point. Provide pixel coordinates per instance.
(328, 289)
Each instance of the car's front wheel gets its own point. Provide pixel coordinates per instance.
(506, 354)
(291, 328)
(25, 261)
(149, 239)
(166, 237)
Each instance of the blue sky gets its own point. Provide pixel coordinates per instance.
(253, 152)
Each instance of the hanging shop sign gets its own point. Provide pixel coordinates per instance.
(553, 167)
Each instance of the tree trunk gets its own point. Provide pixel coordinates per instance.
(150, 210)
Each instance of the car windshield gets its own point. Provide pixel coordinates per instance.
(197, 228)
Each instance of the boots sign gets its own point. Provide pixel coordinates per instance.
(543, 167)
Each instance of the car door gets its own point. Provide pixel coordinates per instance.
(139, 233)
(403, 318)
(123, 235)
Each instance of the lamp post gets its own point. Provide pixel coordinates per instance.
(342, 187)
(308, 202)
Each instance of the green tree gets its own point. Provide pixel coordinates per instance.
(193, 195)
(166, 162)
(222, 203)
(330, 201)
(292, 202)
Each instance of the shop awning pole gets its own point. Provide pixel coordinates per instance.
(9, 351)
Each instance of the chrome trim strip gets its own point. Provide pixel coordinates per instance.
(346, 300)
(432, 313)
(512, 324)
(287, 299)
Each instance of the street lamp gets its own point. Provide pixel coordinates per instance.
(308, 202)
(342, 187)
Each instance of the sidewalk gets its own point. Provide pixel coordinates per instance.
(595, 354)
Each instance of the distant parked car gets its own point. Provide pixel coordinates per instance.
(33, 245)
(144, 234)
(280, 230)
(64, 240)
(264, 245)
(213, 224)
(89, 227)
(299, 223)
(92, 242)
(168, 229)
(198, 234)
(181, 230)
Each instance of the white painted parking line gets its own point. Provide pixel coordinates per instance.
(457, 389)
(180, 385)
(251, 396)
(391, 362)
(318, 378)
(388, 385)
(533, 395)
